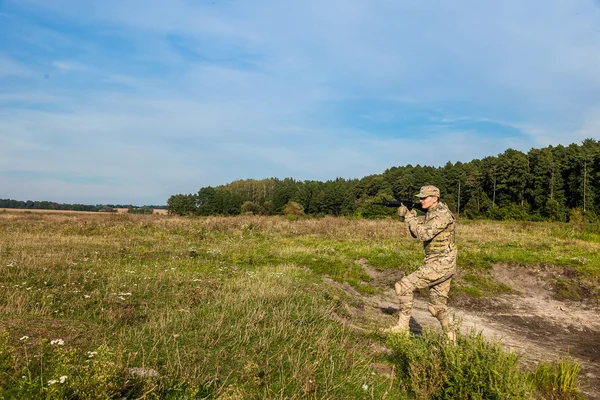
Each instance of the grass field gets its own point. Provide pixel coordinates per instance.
(138, 306)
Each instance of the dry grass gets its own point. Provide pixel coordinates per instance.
(31, 210)
(226, 305)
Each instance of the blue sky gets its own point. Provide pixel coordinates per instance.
(130, 102)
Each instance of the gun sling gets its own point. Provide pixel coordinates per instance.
(442, 279)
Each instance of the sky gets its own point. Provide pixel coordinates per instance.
(131, 101)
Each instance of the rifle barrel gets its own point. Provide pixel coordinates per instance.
(397, 203)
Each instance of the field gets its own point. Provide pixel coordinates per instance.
(117, 210)
(156, 306)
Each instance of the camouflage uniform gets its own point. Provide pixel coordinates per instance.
(436, 231)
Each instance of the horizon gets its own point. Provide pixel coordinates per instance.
(132, 102)
(117, 204)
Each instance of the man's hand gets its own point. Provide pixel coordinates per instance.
(402, 210)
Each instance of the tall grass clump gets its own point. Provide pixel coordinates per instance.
(558, 379)
(430, 367)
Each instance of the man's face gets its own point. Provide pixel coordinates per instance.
(428, 202)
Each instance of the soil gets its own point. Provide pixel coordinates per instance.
(530, 320)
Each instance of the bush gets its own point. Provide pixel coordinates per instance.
(576, 218)
(293, 209)
(250, 207)
(430, 367)
(555, 211)
(140, 210)
(558, 380)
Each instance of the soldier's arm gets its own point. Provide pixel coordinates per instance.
(420, 219)
(426, 230)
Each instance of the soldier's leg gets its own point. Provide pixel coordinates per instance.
(419, 279)
(405, 291)
(438, 307)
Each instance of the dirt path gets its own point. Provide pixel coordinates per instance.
(530, 322)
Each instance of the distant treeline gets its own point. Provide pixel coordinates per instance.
(554, 183)
(50, 205)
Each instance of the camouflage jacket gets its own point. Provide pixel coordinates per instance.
(436, 230)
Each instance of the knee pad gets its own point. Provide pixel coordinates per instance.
(404, 287)
(437, 310)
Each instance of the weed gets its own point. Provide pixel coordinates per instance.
(558, 379)
(433, 368)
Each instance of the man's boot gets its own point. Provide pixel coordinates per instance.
(402, 326)
(449, 330)
(446, 321)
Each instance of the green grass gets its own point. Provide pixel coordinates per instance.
(478, 285)
(558, 379)
(228, 307)
(430, 367)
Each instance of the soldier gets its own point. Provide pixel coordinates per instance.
(436, 231)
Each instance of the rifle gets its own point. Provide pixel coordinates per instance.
(397, 203)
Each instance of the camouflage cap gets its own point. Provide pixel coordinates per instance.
(427, 191)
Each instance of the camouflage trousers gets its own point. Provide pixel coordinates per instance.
(436, 274)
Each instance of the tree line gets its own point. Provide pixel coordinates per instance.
(51, 205)
(552, 183)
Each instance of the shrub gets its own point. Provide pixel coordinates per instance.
(430, 367)
(558, 380)
(250, 208)
(140, 210)
(576, 218)
(293, 209)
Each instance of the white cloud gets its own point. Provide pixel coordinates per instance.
(11, 68)
(68, 66)
(203, 93)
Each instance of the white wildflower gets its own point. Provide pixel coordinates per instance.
(365, 387)
(92, 354)
(24, 338)
(214, 252)
(87, 296)
(52, 381)
(58, 342)
(63, 379)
